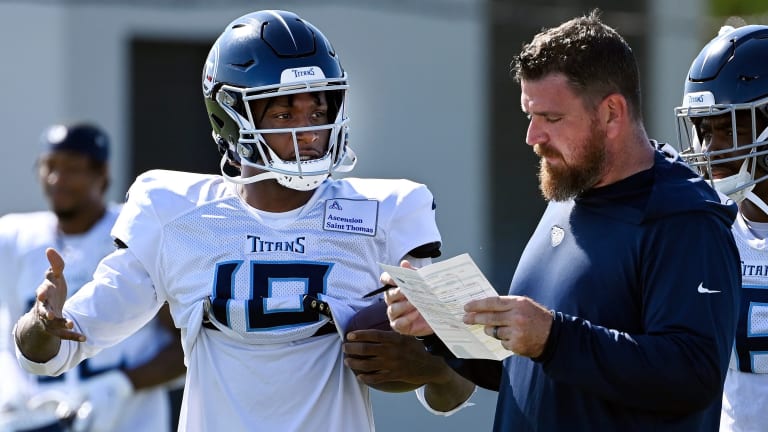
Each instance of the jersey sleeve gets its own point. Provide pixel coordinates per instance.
(690, 277)
(413, 225)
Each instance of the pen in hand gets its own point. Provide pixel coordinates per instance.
(378, 290)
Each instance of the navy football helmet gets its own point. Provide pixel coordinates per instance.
(728, 81)
(268, 54)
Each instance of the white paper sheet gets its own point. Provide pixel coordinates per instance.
(439, 291)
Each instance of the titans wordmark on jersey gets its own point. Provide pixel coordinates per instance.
(751, 346)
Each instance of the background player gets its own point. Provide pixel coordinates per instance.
(122, 384)
(723, 123)
(237, 255)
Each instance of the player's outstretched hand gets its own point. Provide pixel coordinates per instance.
(403, 316)
(39, 332)
(50, 298)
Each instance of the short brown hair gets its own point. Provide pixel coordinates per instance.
(594, 58)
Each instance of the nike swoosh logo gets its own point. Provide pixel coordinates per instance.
(703, 290)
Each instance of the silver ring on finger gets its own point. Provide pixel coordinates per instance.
(495, 333)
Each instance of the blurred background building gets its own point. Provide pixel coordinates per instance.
(431, 99)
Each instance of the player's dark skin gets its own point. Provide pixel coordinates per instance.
(716, 134)
(299, 110)
(378, 357)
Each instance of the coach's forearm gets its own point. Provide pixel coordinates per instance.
(34, 341)
(447, 394)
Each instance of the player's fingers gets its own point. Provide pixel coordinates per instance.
(373, 336)
(56, 261)
(46, 313)
(394, 295)
(57, 325)
(50, 299)
(406, 264)
(66, 333)
(41, 293)
(360, 365)
(364, 349)
(379, 376)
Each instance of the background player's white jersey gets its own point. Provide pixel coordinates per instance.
(23, 240)
(192, 241)
(745, 397)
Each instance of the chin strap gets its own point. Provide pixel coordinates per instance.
(267, 175)
(309, 182)
(754, 199)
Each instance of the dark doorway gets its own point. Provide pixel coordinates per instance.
(169, 126)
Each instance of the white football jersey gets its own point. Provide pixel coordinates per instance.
(192, 241)
(746, 385)
(23, 240)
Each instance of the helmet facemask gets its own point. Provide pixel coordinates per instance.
(252, 149)
(268, 54)
(751, 150)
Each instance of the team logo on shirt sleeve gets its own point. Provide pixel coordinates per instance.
(557, 235)
(351, 216)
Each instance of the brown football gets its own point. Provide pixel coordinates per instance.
(375, 317)
(370, 317)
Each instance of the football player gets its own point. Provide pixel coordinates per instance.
(723, 126)
(248, 260)
(74, 174)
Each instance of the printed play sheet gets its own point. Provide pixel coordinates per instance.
(439, 291)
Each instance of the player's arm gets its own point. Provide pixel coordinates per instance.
(39, 332)
(448, 390)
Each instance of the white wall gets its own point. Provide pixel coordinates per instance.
(674, 41)
(33, 56)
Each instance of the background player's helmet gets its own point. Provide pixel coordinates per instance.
(729, 76)
(266, 54)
